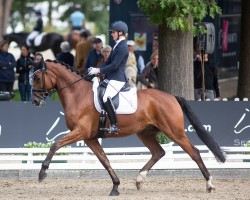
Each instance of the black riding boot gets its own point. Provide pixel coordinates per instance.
(109, 106)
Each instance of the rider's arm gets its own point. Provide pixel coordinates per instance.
(117, 59)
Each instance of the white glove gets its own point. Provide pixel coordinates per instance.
(93, 70)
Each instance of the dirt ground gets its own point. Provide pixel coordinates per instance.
(94, 189)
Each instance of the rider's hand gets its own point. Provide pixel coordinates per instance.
(93, 70)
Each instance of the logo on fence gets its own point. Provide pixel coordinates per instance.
(240, 122)
(52, 139)
(52, 127)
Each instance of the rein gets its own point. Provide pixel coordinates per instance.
(45, 92)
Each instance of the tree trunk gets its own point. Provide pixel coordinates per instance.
(244, 71)
(176, 62)
(5, 6)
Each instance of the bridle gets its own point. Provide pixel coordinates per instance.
(44, 92)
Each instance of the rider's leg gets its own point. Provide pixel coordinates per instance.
(31, 37)
(109, 106)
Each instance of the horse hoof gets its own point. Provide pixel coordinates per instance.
(210, 190)
(138, 185)
(42, 176)
(114, 193)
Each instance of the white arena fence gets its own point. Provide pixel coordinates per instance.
(120, 158)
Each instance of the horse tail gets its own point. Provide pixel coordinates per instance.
(201, 131)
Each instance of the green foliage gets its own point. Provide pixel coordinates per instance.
(176, 13)
(37, 145)
(42, 145)
(247, 144)
(162, 138)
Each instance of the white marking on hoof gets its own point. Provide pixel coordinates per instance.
(210, 186)
(141, 176)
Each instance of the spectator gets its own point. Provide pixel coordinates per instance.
(38, 58)
(36, 30)
(77, 18)
(105, 53)
(212, 90)
(7, 65)
(65, 56)
(149, 76)
(131, 70)
(95, 57)
(82, 50)
(23, 68)
(114, 68)
(139, 59)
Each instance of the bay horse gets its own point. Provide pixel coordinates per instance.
(50, 41)
(157, 111)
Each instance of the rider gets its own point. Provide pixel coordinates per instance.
(36, 30)
(114, 68)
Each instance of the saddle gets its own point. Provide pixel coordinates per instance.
(125, 101)
(38, 39)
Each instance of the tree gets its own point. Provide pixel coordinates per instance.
(175, 29)
(244, 70)
(95, 11)
(5, 6)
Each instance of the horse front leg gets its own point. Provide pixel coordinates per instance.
(70, 138)
(95, 146)
(47, 161)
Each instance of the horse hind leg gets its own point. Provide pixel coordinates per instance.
(194, 153)
(70, 138)
(148, 138)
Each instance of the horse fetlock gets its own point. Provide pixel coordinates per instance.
(141, 176)
(210, 186)
(140, 179)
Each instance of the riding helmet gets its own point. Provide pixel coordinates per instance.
(119, 26)
(38, 12)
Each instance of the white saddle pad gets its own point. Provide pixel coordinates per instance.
(127, 100)
(38, 39)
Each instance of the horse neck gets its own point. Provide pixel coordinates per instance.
(69, 85)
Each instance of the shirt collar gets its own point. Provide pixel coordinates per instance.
(118, 41)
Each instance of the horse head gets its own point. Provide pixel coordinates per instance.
(42, 83)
